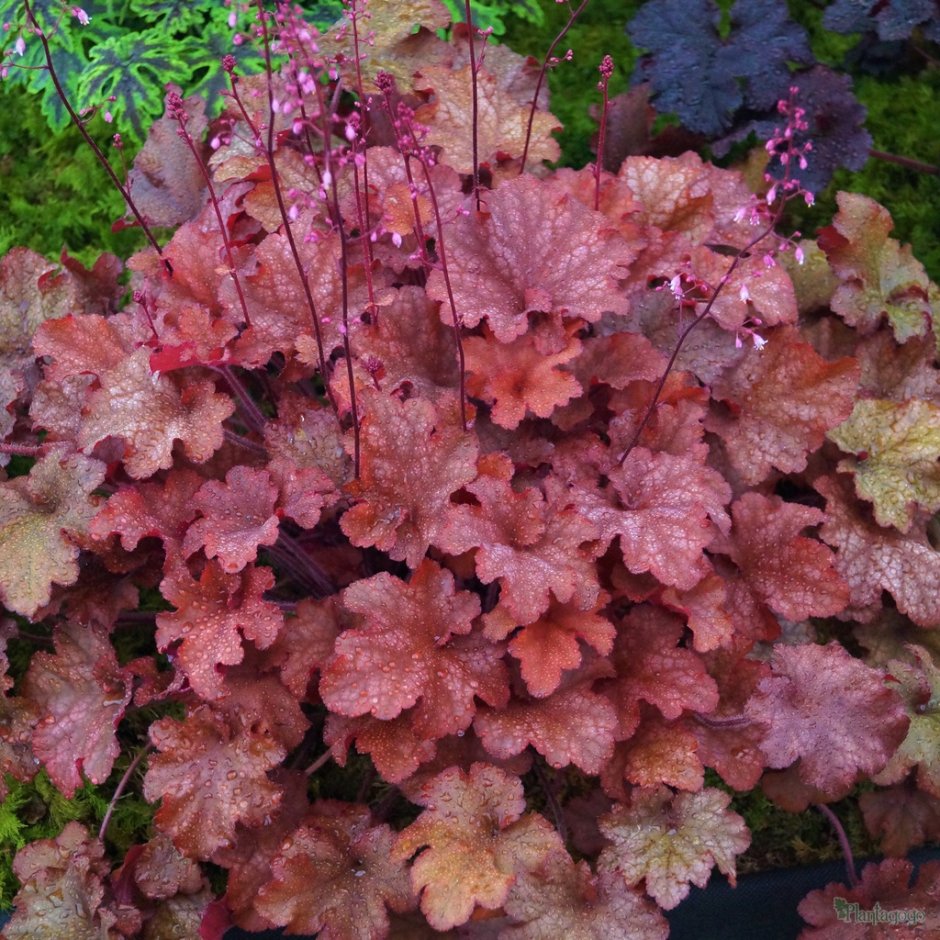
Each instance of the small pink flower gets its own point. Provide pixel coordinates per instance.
(798, 254)
(83, 18)
(19, 47)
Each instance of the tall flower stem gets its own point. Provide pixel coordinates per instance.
(362, 205)
(279, 195)
(606, 69)
(408, 147)
(538, 85)
(844, 844)
(177, 111)
(331, 198)
(442, 254)
(475, 107)
(121, 787)
(782, 145)
(683, 336)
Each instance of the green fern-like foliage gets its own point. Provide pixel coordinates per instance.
(120, 61)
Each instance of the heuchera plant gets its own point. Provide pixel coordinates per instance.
(524, 495)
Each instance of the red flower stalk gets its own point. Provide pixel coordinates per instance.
(606, 68)
(409, 147)
(362, 206)
(783, 146)
(475, 106)
(546, 62)
(228, 64)
(176, 110)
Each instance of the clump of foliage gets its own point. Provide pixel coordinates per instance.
(489, 506)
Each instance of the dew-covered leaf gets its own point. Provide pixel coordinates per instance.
(873, 559)
(208, 778)
(502, 122)
(533, 548)
(565, 899)
(520, 376)
(901, 817)
(405, 652)
(237, 517)
(41, 515)
(160, 510)
(571, 726)
(836, 715)
(80, 694)
(513, 258)
(919, 684)
(878, 276)
(471, 840)
(897, 457)
(414, 456)
(672, 841)
(214, 613)
(794, 575)
(652, 667)
(549, 646)
(778, 404)
(666, 503)
(335, 875)
(62, 893)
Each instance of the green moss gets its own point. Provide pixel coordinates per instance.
(37, 810)
(53, 191)
(791, 840)
(828, 48)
